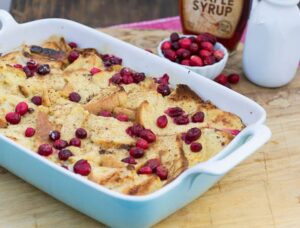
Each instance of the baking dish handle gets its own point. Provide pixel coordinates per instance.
(256, 137)
(6, 20)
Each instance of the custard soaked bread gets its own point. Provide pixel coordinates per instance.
(110, 124)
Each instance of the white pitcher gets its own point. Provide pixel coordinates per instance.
(272, 47)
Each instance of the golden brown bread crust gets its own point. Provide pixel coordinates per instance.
(3, 123)
(179, 163)
(43, 127)
(105, 104)
(184, 93)
(143, 188)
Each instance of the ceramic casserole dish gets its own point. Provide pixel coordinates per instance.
(108, 207)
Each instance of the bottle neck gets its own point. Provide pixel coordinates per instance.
(283, 2)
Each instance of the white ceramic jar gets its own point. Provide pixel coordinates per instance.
(272, 47)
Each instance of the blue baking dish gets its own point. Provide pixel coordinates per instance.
(112, 208)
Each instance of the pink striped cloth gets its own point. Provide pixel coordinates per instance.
(169, 23)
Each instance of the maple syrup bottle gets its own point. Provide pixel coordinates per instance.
(225, 19)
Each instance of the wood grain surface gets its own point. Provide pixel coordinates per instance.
(94, 13)
(263, 191)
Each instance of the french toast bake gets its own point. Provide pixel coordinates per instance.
(119, 128)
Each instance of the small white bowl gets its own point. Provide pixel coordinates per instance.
(209, 71)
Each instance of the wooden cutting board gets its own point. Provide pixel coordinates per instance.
(263, 191)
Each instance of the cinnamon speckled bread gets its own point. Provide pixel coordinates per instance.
(103, 117)
(212, 141)
(108, 131)
(148, 113)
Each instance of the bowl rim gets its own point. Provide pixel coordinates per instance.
(218, 45)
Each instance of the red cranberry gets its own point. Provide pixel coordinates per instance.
(204, 53)
(73, 45)
(138, 77)
(110, 60)
(127, 79)
(184, 138)
(218, 54)
(170, 54)
(183, 53)
(145, 170)
(32, 65)
(73, 56)
(148, 135)
(54, 135)
(163, 79)
(198, 117)
(130, 132)
(60, 144)
(75, 142)
(185, 62)
(181, 120)
(206, 37)
(233, 78)
(28, 72)
(175, 46)
(162, 172)
(196, 61)
(196, 147)
(153, 163)
(174, 37)
(163, 89)
(221, 79)
(43, 69)
(45, 150)
(75, 97)
(95, 70)
(194, 47)
(127, 75)
(166, 45)
(18, 66)
(136, 152)
(185, 43)
(13, 118)
(29, 132)
(129, 160)
(207, 46)
(81, 133)
(37, 100)
(82, 167)
(135, 130)
(64, 154)
(193, 134)
(174, 112)
(21, 108)
(116, 79)
(122, 117)
(209, 60)
(126, 72)
(162, 121)
(105, 113)
(142, 143)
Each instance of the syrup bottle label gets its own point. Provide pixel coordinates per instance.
(218, 17)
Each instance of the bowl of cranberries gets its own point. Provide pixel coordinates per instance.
(201, 54)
